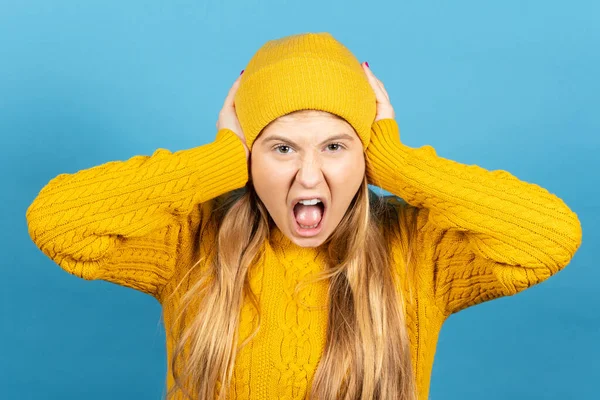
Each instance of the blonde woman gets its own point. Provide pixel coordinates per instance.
(280, 273)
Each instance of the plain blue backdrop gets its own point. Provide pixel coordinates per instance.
(510, 85)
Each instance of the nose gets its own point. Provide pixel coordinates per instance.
(309, 172)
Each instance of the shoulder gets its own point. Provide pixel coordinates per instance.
(406, 230)
(400, 217)
(213, 211)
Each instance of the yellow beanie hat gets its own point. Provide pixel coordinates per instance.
(304, 71)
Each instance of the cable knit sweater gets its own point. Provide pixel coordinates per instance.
(139, 223)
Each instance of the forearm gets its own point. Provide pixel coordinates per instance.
(133, 197)
(508, 220)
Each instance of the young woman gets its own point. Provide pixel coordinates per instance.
(281, 275)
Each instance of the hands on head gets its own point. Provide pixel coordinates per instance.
(384, 106)
(228, 117)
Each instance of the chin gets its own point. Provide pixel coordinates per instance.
(308, 242)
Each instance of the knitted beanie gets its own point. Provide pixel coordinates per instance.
(304, 71)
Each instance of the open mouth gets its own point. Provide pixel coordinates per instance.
(308, 217)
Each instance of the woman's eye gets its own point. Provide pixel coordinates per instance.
(336, 146)
(286, 149)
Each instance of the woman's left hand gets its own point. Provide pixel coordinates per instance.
(384, 111)
(384, 107)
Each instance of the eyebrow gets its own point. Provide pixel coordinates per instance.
(283, 139)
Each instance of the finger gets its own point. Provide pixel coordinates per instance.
(372, 80)
(380, 93)
(381, 86)
(231, 94)
(385, 93)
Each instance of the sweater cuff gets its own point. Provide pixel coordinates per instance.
(387, 154)
(222, 163)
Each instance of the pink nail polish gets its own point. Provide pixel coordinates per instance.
(367, 64)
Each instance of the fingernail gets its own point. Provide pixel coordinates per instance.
(242, 71)
(367, 64)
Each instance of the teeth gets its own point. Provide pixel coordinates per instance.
(308, 227)
(311, 202)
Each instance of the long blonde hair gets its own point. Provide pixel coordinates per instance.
(367, 351)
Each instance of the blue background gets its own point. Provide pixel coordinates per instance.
(510, 85)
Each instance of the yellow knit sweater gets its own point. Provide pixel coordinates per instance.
(138, 223)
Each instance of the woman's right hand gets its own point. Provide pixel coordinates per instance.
(228, 117)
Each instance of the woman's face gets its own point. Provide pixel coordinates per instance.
(312, 156)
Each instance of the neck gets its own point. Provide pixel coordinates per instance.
(281, 242)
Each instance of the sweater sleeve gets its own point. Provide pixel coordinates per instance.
(486, 233)
(125, 221)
